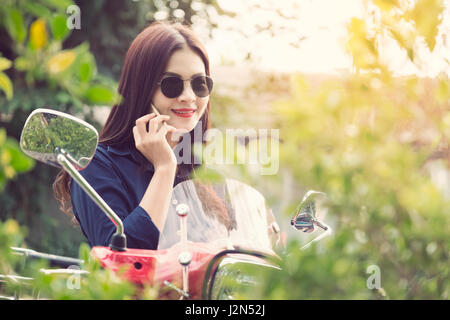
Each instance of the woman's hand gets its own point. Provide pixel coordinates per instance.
(153, 143)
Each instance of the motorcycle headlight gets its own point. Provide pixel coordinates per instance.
(234, 276)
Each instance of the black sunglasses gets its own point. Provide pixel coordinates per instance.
(173, 87)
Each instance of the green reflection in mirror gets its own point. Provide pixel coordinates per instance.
(47, 131)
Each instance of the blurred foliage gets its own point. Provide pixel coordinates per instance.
(120, 22)
(98, 283)
(42, 73)
(5, 81)
(366, 140)
(12, 160)
(11, 235)
(36, 31)
(35, 280)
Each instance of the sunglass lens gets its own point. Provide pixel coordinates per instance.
(172, 87)
(202, 86)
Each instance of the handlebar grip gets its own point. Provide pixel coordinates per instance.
(324, 227)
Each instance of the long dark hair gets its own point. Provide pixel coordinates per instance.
(143, 66)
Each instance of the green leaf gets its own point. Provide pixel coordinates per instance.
(23, 64)
(61, 61)
(36, 9)
(427, 16)
(57, 4)
(386, 5)
(85, 64)
(59, 27)
(2, 136)
(5, 64)
(85, 71)
(38, 34)
(12, 160)
(6, 85)
(15, 25)
(19, 161)
(100, 94)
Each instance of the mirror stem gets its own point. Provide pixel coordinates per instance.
(328, 231)
(118, 241)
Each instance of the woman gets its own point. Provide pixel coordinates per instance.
(135, 167)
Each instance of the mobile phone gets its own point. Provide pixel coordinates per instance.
(157, 113)
(155, 110)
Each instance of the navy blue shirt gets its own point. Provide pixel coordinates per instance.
(117, 176)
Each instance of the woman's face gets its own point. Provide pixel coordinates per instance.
(185, 64)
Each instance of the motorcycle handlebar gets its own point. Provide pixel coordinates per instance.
(54, 260)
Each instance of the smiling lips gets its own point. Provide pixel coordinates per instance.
(184, 113)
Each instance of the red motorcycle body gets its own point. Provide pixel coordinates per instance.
(153, 267)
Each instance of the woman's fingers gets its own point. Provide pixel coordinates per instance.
(136, 135)
(141, 123)
(152, 143)
(165, 128)
(157, 128)
(154, 123)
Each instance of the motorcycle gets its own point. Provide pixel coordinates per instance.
(213, 231)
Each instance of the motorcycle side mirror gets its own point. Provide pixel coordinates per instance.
(306, 213)
(48, 132)
(63, 141)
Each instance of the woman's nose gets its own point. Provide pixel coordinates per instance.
(187, 94)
